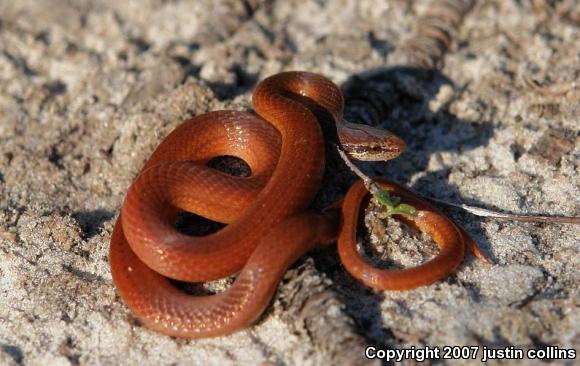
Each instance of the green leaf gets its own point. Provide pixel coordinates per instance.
(405, 209)
(384, 198)
(392, 204)
(395, 200)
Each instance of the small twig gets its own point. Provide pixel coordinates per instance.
(478, 211)
(549, 89)
(373, 187)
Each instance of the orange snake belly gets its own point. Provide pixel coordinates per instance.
(269, 226)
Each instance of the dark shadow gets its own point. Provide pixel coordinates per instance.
(200, 289)
(397, 99)
(195, 225)
(84, 275)
(188, 69)
(91, 222)
(243, 83)
(14, 352)
(56, 87)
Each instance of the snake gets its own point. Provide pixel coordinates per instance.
(268, 221)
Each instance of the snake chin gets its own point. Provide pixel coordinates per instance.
(364, 156)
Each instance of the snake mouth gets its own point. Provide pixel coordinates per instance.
(372, 153)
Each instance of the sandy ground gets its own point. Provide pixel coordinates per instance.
(89, 88)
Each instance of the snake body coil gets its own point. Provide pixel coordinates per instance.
(268, 225)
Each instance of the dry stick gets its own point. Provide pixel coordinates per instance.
(374, 187)
(478, 211)
(371, 186)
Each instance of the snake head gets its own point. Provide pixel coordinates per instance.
(364, 142)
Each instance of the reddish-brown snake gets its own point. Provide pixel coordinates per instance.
(269, 226)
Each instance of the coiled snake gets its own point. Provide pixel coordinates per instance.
(269, 226)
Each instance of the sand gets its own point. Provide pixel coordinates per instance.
(89, 88)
